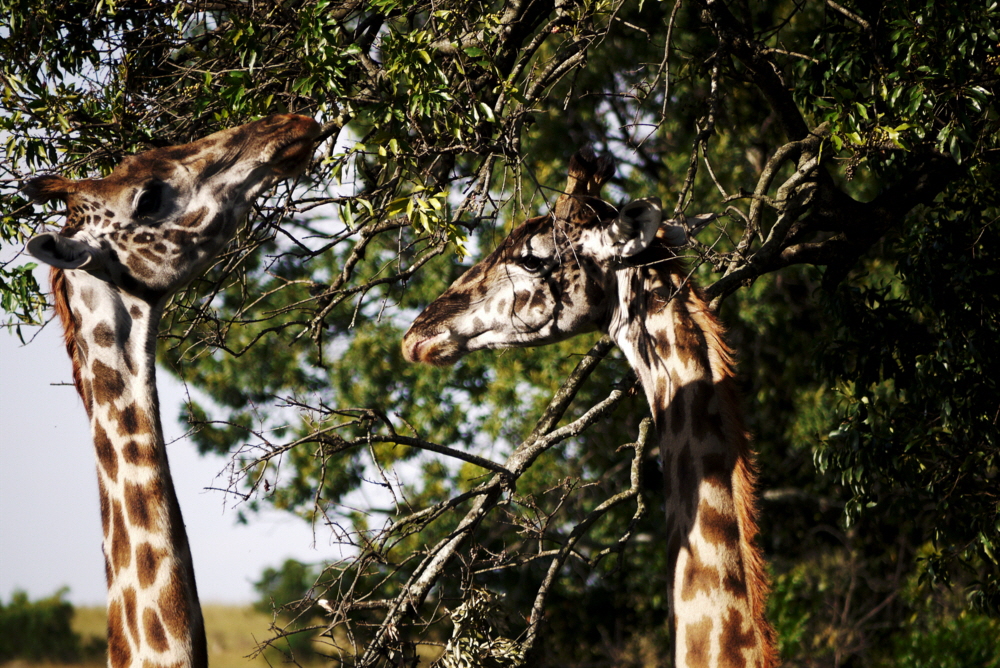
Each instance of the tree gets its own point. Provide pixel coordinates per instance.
(42, 631)
(850, 147)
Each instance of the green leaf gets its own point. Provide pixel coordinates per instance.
(487, 112)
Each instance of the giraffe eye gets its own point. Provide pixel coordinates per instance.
(149, 200)
(531, 263)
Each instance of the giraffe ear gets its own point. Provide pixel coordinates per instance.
(48, 187)
(63, 252)
(678, 231)
(636, 225)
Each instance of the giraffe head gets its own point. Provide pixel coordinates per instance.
(553, 277)
(159, 218)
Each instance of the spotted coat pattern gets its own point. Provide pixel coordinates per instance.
(131, 240)
(584, 267)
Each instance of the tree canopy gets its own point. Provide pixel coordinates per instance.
(852, 150)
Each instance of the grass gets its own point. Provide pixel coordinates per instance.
(232, 632)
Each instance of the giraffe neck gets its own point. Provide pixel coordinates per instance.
(717, 581)
(154, 618)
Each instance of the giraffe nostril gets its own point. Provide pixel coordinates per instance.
(411, 349)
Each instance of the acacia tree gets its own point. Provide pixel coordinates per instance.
(849, 147)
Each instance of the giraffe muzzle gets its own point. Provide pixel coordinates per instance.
(293, 156)
(440, 349)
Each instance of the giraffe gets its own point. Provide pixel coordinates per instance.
(587, 266)
(132, 240)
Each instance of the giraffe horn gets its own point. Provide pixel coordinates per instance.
(48, 187)
(586, 176)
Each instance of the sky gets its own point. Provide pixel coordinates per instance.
(50, 527)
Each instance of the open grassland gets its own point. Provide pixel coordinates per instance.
(233, 634)
(232, 631)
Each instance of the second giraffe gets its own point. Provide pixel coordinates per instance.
(588, 266)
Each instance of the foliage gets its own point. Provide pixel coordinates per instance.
(41, 631)
(820, 611)
(915, 364)
(851, 148)
(475, 639)
(967, 640)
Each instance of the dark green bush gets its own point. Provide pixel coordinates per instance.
(40, 630)
(969, 640)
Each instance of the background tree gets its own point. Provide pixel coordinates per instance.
(852, 149)
(41, 631)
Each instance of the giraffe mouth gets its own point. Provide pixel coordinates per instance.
(440, 349)
(293, 156)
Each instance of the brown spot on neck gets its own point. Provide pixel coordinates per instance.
(720, 529)
(106, 455)
(132, 421)
(104, 335)
(121, 547)
(102, 493)
(140, 454)
(717, 470)
(142, 504)
(698, 577)
(89, 298)
(699, 643)
(174, 604)
(734, 640)
(131, 617)
(119, 654)
(156, 636)
(148, 560)
(107, 385)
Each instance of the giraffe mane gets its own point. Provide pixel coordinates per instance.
(722, 360)
(663, 256)
(60, 297)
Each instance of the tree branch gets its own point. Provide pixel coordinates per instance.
(431, 567)
(736, 38)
